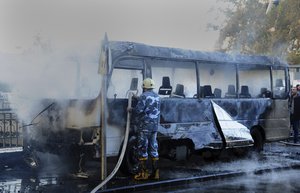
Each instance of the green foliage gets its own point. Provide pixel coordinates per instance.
(249, 29)
(293, 58)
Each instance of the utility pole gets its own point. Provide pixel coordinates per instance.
(103, 71)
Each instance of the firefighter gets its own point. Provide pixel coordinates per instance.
(147, 112)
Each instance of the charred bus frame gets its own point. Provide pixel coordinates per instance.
(253, 108)
(190, 119)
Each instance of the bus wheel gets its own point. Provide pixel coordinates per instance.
(130, 161)
(258, 139)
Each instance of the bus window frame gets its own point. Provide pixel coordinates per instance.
(287, 83)
(253, 66)
(117, 65)
(149, 66)
(198, 66)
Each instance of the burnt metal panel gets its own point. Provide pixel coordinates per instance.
(203, 134)
(176, 110)
(180, 119)
(190, 119)
(271, 115)
(117, 111)
(278, 121)
(232, 132)
(246, 111)
(122, 48)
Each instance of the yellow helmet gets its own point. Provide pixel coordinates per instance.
(148, 83)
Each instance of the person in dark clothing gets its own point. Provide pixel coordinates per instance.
(298, 88)
(147, 112)
(294, 119)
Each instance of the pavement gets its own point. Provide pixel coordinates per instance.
(56, 175)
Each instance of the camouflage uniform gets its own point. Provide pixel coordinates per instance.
(147, 111)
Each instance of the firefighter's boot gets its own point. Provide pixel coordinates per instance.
(155, 170)
(143, 172)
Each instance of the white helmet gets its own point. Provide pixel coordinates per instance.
(148, 83)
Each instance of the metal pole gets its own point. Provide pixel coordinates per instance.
(104, 60)
(103, 129)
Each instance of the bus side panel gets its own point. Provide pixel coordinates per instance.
(271, 115)
(117, 112)
(176, 110)
(116, 123)
(180, 119)
(189, 119)
(252, 111)
(277, 123)
(246, 111)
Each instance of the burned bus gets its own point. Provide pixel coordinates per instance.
(209, 101)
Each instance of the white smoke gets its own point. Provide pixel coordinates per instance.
(48, 73)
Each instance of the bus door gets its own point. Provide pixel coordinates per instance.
(281, 119)
(122, 82)
(263, 100)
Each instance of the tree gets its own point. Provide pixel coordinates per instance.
(250, 30)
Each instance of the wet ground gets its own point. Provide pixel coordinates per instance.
(285, 181)
(56, 176)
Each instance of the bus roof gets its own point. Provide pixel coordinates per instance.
(119, 48)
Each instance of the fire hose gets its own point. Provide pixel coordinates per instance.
(130, 94)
